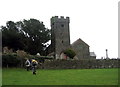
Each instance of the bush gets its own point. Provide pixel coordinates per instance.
(10, 60)
(70, 53)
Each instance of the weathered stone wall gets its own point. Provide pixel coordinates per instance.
(81, 49)
(80, 64)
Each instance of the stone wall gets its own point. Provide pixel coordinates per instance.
(81, 49)
(80, 64)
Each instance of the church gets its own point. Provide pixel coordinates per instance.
(60, 40)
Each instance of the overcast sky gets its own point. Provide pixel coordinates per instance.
(94, 21)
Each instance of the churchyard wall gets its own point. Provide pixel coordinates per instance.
(12, 60)
(81, 64)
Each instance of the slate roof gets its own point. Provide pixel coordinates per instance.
(79, 41)
(92, 54)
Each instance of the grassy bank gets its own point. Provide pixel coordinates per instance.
(60, 77)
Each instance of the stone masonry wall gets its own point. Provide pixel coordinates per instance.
(60, 35)
(80, 64)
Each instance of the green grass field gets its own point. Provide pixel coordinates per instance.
(60, 77)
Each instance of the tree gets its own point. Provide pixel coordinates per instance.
(70, 53)
(28, 35)
(11, 36)
(36, 34)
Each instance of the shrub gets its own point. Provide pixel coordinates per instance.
(10, 60)
(70, 53)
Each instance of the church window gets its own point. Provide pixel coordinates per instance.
(62, 41)
(62, 25)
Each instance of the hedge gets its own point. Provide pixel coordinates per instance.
(10, 60)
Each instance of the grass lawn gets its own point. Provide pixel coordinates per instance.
(60, 77)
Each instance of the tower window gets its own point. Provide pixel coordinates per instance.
(53, 24)
(62, 41)
(62, 25)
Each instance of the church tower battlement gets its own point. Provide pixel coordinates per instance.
(61, 19)
(60, 34)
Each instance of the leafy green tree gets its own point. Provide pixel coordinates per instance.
(70, 53)
(11, 36)
(28, 35)
(36, 36)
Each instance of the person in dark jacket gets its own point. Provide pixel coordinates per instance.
(34, 64)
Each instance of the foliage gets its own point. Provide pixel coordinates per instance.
(70, 53)
(17, 59)
(28, 35)
(11, 36)
(10, 60)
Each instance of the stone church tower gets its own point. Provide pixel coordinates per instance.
(60, 35)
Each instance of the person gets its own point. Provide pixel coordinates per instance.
(27, 63)
(34, 64)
